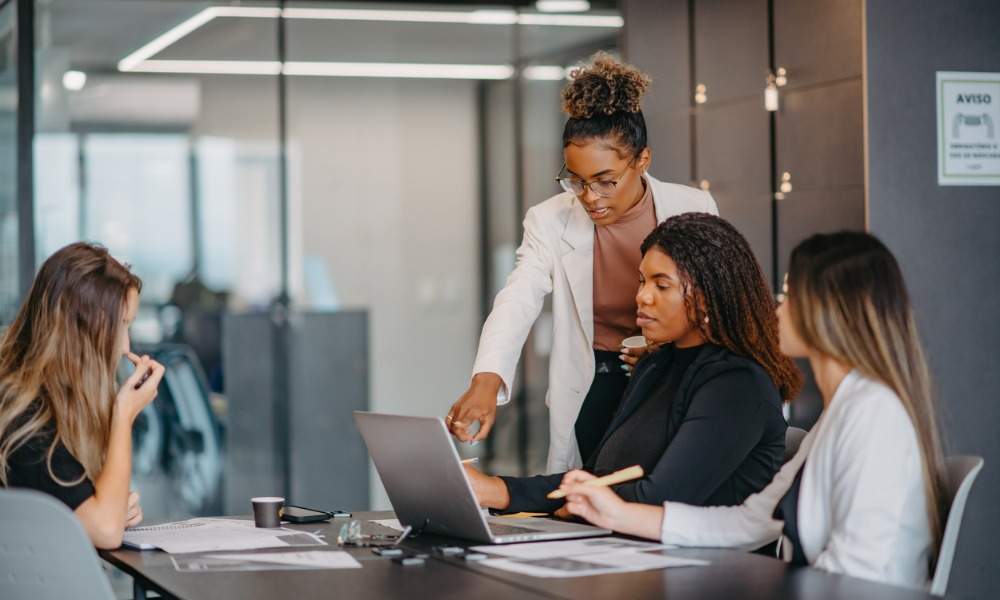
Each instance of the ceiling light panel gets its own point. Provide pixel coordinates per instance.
(246, 37)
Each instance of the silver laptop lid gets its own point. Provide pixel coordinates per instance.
(421, 472)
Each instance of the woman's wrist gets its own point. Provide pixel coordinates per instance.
(120, 420)
(497, 494)
(490, 382)
(641, 520)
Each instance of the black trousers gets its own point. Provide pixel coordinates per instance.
(602, 401)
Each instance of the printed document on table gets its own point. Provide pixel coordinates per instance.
(590, 564)
(266, 561)
(390, 523)
(555, 549)
(207, 535)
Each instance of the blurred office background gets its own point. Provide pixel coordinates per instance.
(321, 242)
(329, 236)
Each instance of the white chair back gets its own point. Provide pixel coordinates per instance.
(793, 438)
(962, 471)
(45, 554)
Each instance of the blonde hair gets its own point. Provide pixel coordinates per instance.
(59, 356)
(847, 299)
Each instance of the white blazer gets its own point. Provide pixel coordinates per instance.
(557, 257)
(861, 509)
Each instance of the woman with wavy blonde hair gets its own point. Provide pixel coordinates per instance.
(64, 429)
(864, 494)
(582, 247)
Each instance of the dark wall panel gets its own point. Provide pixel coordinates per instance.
(817, 41)
(731, 48)
(751, 215)
(656, 40)
(803, 213)
(734, 149)
(945, 238)
(819, 139)
(670, 145)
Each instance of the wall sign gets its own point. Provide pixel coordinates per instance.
(968, 115)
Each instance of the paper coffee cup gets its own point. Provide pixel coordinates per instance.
(266, 511)
(636, 341)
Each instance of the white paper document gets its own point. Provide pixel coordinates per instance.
(266, 561)
(574, 558)
(208, 535)
(590, 564)
(390, 523)
(555, 549)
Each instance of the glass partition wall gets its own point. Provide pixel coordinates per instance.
(275, 157)
(8, 162)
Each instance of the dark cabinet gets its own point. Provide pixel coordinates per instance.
(734, 164)
(817, 41)
(731, 129)
(670, 145)
(660, 45)
(730, 48)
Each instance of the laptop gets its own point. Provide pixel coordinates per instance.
(429, 490)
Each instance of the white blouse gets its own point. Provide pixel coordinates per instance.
(861, 510)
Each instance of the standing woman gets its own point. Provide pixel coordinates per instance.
(582, 246)
(864, 495)
(64, 430)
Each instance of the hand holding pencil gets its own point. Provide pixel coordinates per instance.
(589, 497)
(615, 478)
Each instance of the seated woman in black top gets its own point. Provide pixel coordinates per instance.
(64, 429)
(701, 414)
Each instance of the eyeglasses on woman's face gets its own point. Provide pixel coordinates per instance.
(602, 187)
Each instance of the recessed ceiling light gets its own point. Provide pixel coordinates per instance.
(564, 6)
(74, 80)
(327, 69)
(544, 73)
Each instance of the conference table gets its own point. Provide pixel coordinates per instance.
(730, 575)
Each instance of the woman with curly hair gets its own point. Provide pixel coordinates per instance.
(864, 495)
(64, 429)
(581, 246)
(702, 413)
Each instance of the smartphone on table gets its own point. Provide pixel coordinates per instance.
(299, 514)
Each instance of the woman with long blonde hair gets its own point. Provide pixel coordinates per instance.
(64, 429)
(864, 494)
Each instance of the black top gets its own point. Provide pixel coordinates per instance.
(642, 438)
(722, 436)
(27, 468)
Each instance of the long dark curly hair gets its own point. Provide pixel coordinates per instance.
(604, 102)
(722, 280)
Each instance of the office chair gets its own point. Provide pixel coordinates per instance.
(793, 438)
(962, 472)
(45, 554)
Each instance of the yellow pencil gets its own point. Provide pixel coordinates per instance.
(622, 476)
(469, 461)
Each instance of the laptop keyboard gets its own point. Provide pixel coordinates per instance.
(501, 529)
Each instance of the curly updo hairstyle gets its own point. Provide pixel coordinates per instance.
(604, 104)
(722, 280)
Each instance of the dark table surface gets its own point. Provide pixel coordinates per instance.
(731, 575)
